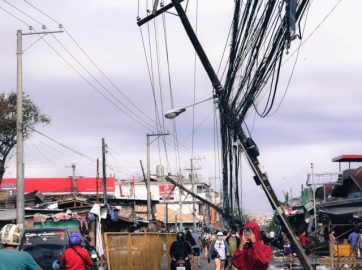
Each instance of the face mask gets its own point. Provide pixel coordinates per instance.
(233, 235)
(219, 237)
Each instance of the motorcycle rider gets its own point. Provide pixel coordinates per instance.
(75, 257)
(180, 249)
(10, 257)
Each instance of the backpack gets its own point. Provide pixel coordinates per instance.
(214, 253)
(205, 239)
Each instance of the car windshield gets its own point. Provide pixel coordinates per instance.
(32, 239)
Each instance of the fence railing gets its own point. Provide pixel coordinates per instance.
(137, 251)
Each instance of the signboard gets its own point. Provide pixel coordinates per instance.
(59, 185)
(166, 192)
(309, 206)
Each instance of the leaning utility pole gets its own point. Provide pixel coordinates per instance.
(20, 212)
(205, 201)
(248, 146)
(105, 199)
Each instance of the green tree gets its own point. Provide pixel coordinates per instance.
(31, 117)
(274, 223)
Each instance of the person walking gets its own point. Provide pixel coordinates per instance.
(233, 242)
(359, 243)
(353, 239)
(287, 249)
(252, 253)
(10, 257)
(189, 238)
(197, 248)
(219, 251)
(205, 241)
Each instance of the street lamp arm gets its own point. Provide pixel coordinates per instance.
(173, 113)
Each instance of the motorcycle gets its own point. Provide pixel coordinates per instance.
(181, 263)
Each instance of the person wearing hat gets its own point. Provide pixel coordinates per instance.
(219, 251)
(10, 257)
(252, 253)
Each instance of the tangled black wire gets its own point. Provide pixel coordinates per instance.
(262, 33)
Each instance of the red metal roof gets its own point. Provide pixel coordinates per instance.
(59, 185)
(348, 158)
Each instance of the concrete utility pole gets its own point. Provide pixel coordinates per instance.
(74, 182)
(149, 142)
(180, 202)
(97, 181)
(192, 169)
(193, 190)
(105, 199)
(19, 132)
(20, 212)
(314, 202)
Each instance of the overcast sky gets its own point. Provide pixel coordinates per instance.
(319, 118)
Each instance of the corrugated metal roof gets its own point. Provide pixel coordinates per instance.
(7, 214)
(342, 210)
(348, 158)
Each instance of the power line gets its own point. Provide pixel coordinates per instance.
(93, 160)
(16, 17)
(41, 12)
(77, 71)
(23, 12)
(144, 124)
(139, 120)
(94, 87)
(314, 30)
(194, 88)
(42, 154)
(93, 62)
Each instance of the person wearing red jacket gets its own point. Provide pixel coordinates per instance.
(75, 257)
(303, 240)
(252, 253)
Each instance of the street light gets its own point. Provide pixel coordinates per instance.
(173, 113)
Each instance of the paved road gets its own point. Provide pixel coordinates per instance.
(204, 264)
(276, 264)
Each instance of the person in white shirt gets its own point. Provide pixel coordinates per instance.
(219, 251)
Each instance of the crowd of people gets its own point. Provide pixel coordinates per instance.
(244, 249)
